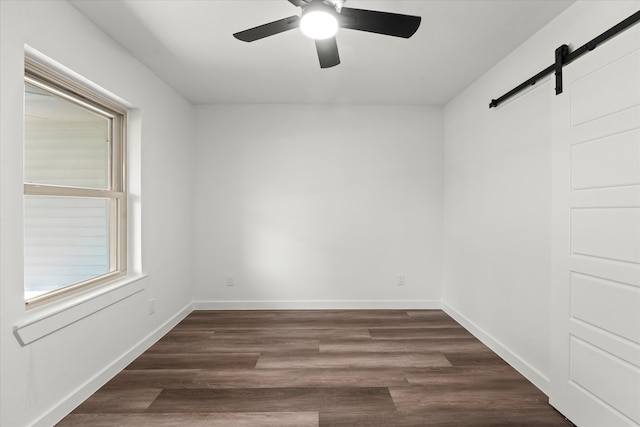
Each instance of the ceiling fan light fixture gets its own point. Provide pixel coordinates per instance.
(318, 24)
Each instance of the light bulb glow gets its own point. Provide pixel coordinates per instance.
(319, 25)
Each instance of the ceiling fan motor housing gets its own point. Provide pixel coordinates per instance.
(334, 4)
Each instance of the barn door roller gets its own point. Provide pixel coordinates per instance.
(563, 57)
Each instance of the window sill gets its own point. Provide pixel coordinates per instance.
(43, 321)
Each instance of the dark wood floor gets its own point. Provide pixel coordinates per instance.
(310, 368)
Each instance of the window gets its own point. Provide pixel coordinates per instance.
(75, 198)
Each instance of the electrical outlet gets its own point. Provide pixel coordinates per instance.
(229, 280)
(400, 279)
(152, 306)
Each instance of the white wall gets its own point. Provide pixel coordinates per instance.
(45, 379)
(498, 195)
(318, 206)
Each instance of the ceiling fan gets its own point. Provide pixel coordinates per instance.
(320, 20)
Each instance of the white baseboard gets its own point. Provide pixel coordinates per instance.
(532, 374)
(318, 305)
(81, 394)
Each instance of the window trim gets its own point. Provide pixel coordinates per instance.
(37, 74)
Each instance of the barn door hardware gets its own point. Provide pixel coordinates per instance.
(563, 56)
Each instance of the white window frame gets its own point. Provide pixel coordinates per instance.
(44, 78)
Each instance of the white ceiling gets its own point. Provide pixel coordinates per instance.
(189, 44)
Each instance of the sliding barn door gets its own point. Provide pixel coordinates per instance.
(595, 379)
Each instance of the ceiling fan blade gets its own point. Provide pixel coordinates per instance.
(390, 24)
(328, 52)
(296, 2)
(270, 29)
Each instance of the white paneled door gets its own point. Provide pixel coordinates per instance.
(595, 378)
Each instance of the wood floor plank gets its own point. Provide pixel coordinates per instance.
(153, 378)
(237, 345)
(194, 361)
(431, 345)
(335, 319)
(467, 397)
(447, 418)
(429, 314)
(257, 378)
(221, 419)
(480, 357)
(187, 335)
(126, 401)
(462, 374)
(350, 360)
(281, 399)
(419, 333)
(233, 315)
(294, 334)
(485, 384)
(342, 315)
